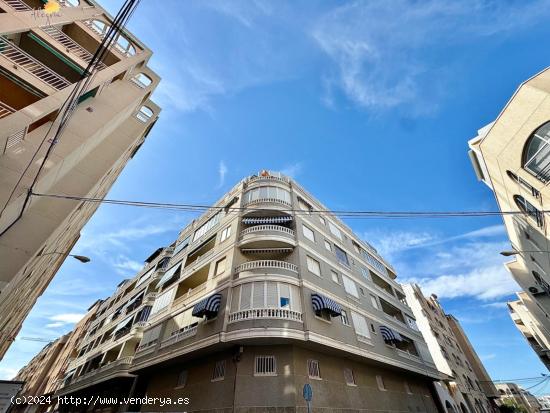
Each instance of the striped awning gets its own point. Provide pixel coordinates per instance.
(168, 275)
(389, 335)
(322, 303)
(135, 298)
(208, 307)
(267, 220)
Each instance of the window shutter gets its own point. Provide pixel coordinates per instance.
(246, 296)
(295, 303)
(349, 286)
(360, 324)
(163, 301)
(272, 297)
(235, 299)
(258, 300)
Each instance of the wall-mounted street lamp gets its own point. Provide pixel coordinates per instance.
(509, 253)
(80, 258)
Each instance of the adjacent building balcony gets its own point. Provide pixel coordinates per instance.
(178, 336)
(267, 236)
(266, 267)
(265, 313)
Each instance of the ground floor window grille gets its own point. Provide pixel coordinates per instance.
(265, 366)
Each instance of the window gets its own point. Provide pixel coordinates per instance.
(207, 226)
(225, 234)
(374, 302)
(361, 291)
(529, 209)
(265, 366)
(375, 263)
(407, 388)
(334, 276)
(219, 371)
(308, 233)
(350, 287)
(323, 221)
(536, 152)
(523, 183)
(349, 377)
(313, 370)
(360, 324)
(313, 266)
(335, 230)
(182, 379)
(267, 193)
(265, 294)
(543, 284)
(365, 273)
(328, 245)
(142, 80)
(181, 246)
(341, 255)
(344, 317)
(144, 114)
(220, 267)
(304, 205)
(380, 382)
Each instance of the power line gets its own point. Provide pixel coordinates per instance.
(362, 214)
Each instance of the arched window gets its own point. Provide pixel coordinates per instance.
(145, 113)
(523, 183)
(536, 153)
(142, 80)
(529, 209)
(125, 46)
(98, 26)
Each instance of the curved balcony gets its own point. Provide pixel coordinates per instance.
(265, 313)
(268, 203)
(267, 236)
(268, 179)
(266, 267)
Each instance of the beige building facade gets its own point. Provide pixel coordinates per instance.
(42, 57)
(533, 325)
(511, 156)
(469, 388)
(512, 394)
(257, 297)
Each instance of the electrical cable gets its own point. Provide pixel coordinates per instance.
(70, 104)
(340, 213)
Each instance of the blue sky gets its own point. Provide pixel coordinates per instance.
(369, 105)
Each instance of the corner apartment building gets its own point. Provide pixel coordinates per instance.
(512, 394)
(511, 156)
(257, 297)
(42, 56)
(470, 388)
(533, 325)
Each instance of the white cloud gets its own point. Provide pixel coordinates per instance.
(292, 170)
(67, 318)
(387, 53)
(7, 373)
(222, 171)
(124, 265)
(498, 305)
(485, 357)
(56, 324)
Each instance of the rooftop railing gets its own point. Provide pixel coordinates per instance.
(30, 64)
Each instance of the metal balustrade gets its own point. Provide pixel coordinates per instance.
(145, 346)
(263, 313)
(268, 178)
(259, 264)
(182, 335)
(259, 228)
(30, 64)
(268, 200)
(5, 110)
(70, 45)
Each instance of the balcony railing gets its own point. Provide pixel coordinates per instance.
(268, 178)
(71, 46)
(259, 228)
(260, 264)
(182, 335)
(265, 313)
(267, 200)
(31, 65)
(145, 346)
(101, 33)
(18, 5)
(5, 110)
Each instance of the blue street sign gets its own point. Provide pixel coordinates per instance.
(308, 393)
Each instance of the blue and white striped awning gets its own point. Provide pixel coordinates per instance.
(208, 307)
(267, 220)
(322, 303)
(169, 275)
(389, 335)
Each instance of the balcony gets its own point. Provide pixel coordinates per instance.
(268, 179)
(265, 313)
(5, 110)
(21, 59)
(265, 267)
(267, 236)
(179, 336)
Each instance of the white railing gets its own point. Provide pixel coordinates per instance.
(31, 65)
(71, 45)
(138, 82)
(259, 264)
(5, 110)
(265, 313)
(259, 228)
(182, 335)
(18, 5)
(14, 139)
(101, 33)
(268, 178)
(145, 346)
(267, 200)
